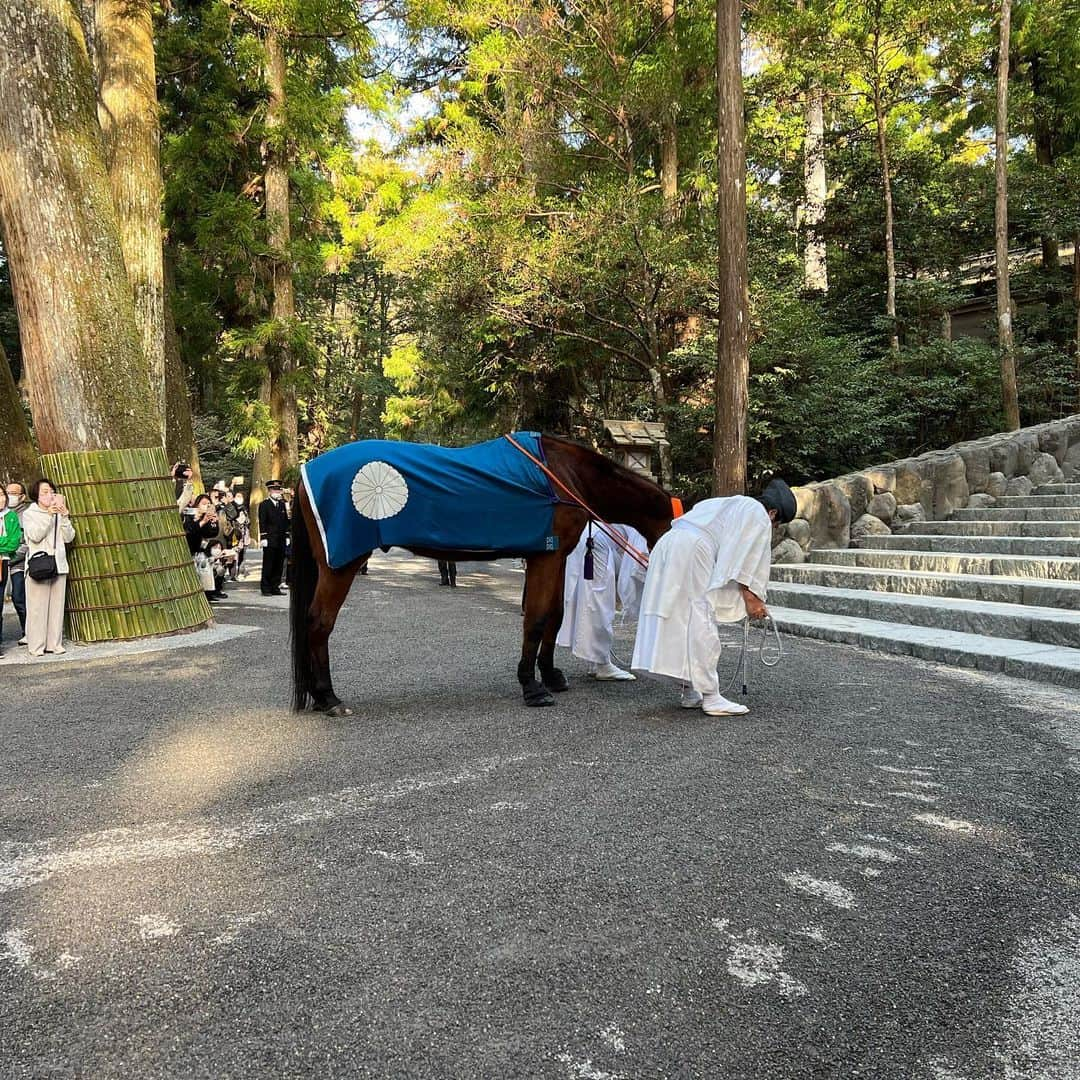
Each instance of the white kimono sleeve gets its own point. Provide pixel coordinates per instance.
(744, 555)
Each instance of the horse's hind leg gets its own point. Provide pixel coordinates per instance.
(330, 594)
(542, 579)
(550, 675)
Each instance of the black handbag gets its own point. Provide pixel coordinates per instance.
(41, 566)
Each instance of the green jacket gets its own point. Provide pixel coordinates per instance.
(10, 533)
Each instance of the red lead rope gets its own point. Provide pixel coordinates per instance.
(639, 556)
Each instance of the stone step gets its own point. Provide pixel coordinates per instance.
(1024, 659)
(1015, 513)
(993, 527)
(1060, 547)
(1057, 489)
(1049, 625)
(1060, 569)
(994, 588)
(1070, 502)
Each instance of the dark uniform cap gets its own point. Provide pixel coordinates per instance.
(273, 485)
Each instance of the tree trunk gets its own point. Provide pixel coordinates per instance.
(1044, 150)
(886, 181)
(732, 358)
(669, 142)
(1009, 394)
(179, 433)
(284, 454)
(660, 400)
(1076, 300)
(86, 370)
(18, 458)
(128, 111)
(261, 466)
(816, 189)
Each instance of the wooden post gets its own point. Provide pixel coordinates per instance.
(1010, 398)
(733, 306)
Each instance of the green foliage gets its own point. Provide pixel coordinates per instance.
(502, 255)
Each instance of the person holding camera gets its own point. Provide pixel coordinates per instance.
(236, 531)
(48, 531)
(202, 530)
(184, 485)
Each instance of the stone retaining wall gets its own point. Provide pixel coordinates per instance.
(833, 513)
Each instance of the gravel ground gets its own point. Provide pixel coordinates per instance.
(874, 874)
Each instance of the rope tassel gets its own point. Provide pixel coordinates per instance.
(588, 573)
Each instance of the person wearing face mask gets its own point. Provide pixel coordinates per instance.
(273, 538)
(48, 531)
(11, 539)
(237, 530)
(16, 500)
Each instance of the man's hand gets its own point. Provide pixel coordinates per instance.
(755, 606)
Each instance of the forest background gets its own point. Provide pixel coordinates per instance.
(444, 219)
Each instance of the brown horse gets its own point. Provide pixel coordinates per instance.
(317, 592)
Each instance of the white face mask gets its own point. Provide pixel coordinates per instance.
(239, 500)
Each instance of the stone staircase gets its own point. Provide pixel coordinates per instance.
(995, 588)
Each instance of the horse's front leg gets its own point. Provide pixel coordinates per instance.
(550, 675)
(543, 592)
(330, 594)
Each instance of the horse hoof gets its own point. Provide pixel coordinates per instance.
(536, 694)
(338, 710)
(555, 680)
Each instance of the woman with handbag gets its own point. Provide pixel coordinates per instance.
(48, 531)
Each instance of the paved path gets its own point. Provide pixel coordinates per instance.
(876, 873)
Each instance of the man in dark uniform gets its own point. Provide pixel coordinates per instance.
(273, 536)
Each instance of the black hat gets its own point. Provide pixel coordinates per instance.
(779, 497)
(273, 485)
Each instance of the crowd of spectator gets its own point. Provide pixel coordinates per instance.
(36, 529)
(217, 526)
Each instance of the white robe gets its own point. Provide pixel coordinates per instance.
(693, 582)
(589, 606)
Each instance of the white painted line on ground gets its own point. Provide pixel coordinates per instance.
(863, 851)
(154, 926)
(911, 849)
(951, 824)
(912, 771)
(24, 865)
(757, 963)
(913, 796)
(614, 1037)
(831, 892)
(584, 1070)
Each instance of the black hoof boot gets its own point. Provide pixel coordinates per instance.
(555, 680)
(332, 705)
(536, 694)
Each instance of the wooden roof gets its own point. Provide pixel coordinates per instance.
(628, 433)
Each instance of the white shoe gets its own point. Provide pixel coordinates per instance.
(718, 705)
(690, 699)
(610, 673)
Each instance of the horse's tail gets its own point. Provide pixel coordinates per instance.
(305, 576)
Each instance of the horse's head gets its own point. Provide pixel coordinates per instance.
(614, 492)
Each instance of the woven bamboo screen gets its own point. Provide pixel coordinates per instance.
(131, 574)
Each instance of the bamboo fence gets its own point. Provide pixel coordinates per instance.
(131, 574)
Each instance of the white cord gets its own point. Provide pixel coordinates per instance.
(775, 655)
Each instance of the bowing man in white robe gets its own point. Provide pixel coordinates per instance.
(589, 605)
(711, 568)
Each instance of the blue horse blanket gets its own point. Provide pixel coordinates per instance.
(488, 499)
